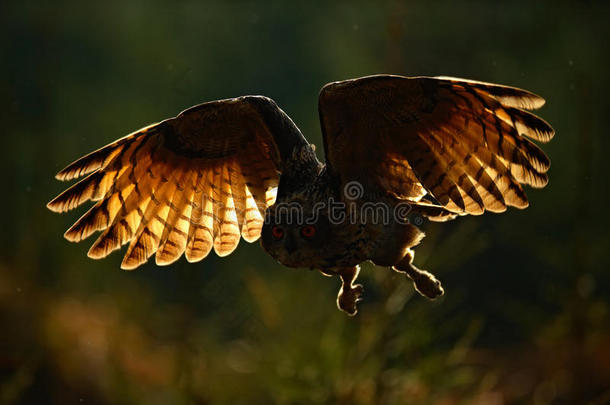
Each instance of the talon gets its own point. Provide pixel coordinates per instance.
(357, 292)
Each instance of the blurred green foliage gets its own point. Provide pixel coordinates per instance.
(525, 318)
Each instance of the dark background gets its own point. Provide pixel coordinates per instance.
(525, 318)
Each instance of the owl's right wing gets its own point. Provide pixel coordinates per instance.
(185, 185)
(462, 142)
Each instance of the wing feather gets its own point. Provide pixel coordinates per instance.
(227, 238)
(175, 233)
(201, 234)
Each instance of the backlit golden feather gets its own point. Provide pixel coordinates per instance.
(464, 142)
(162, 198)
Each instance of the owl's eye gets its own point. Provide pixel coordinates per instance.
(308, 231)
(277, 232)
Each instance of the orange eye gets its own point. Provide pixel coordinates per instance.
(277, 232)
(308, 231)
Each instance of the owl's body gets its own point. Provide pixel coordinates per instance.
(440, 147)
(349, 233)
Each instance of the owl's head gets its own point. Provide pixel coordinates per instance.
(293, 240)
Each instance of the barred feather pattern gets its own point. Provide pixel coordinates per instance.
(165, 204)
(396, 176)
(464, 142)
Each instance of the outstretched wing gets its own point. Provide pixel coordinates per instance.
(185, 185)
(463, 142)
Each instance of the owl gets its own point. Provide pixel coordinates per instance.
(438, 147)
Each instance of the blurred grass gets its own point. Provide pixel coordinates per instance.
(525, 317)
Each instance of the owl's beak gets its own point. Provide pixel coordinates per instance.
(290, 244)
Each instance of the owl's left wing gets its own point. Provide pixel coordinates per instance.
(463, 142)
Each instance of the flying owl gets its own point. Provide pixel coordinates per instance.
(440, 147)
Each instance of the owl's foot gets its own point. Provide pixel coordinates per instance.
(350, 293)
(347, 300)
(425, 283)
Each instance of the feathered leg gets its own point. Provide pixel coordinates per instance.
(349, 293)
(425, 283)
